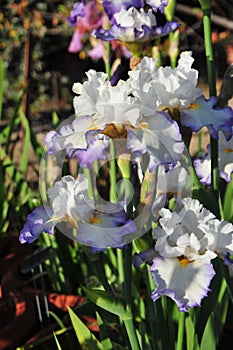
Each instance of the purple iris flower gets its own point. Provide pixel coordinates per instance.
(78, 11)
(134, 26)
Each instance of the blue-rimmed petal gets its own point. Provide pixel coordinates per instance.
(38, 221)
(70, 137)
(203, 113)
(132, 34)
(113, 6)
(146, 256)
(157, 5)
(187, 283)
(95, 151)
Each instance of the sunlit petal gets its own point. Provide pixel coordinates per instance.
(187, 283)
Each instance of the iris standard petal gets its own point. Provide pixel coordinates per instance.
(111, 7)
(69, 200)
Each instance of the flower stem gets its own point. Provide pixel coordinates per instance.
(127, 258)
(112, 175)
(127, 294)
(127, 291)
(209, 51)
(107, 61)
(120, 266)
(212, 92)
(181, 327)
(99, 266)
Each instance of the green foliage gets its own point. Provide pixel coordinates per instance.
(85, 337)
(29, 32)
(100, 298)
(15, 192)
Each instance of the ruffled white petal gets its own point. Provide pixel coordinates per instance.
(158, 136)
(185, 231)
(69, 200)
(223, 237)
(187, 283)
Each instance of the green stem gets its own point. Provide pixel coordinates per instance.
(181, 327)
(155, 315)
(107, 61)
(214, 164)
(120, 266)
(209, 51)
(212, 92)
(200, 139)
(112, 175)
(90, 189)
(130, 329)
(127, 250)
(99, 267)
(127, 291)
(127, 294)
(127, 259)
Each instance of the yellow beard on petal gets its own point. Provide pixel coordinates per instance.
(228, 150)
(183, 261)
(94, 220)
(115, 131)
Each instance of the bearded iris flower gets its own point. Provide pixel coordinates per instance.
(132, 26)
(115, 111)
(75, 214)
(187, 283)
(175, 90)
(187, 239)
